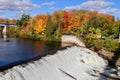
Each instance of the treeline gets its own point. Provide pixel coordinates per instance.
(40, 27)
(95, 29)
(2, 20)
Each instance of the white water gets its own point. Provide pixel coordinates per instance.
(73, 63)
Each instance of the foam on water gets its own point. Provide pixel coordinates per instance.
(73, 63)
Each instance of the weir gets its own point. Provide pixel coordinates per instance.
(71, 39)
(73, 63)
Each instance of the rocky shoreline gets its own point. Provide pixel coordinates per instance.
(109, 56)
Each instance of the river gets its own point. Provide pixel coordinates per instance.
(14, 51)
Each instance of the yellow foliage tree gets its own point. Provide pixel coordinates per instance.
(40, 24)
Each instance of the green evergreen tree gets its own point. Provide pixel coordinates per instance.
(50, 28)
(23, 20)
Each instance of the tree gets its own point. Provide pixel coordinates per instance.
(57, 19)
(23, 20)
(119, 31)
(65, 20)
(50, 27)
(40, 22)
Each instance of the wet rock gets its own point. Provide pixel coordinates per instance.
(113, 71)
(111, 74)
(118, 72)
(106, 54)
(113, 59)
(118, 62)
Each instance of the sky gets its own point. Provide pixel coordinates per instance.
(13, 9)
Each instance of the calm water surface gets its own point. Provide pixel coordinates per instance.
(15, 50)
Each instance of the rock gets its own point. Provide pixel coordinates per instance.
(106, 54)
(118, 72)
(109, 56)
(113, 70)
(111, 76)
(114, 76)
(118, 68)
(118, 62)
(111, 73)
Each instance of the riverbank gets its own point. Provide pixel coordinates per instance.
(112, 57)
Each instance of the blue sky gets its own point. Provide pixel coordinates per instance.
(14, 8)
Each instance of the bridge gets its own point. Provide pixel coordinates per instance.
(5, 25)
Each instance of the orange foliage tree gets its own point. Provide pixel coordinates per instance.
(65, 22)
(40, 23)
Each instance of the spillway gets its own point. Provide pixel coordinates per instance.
(73, 63)
(72, 40)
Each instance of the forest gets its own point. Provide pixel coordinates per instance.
(96, 30)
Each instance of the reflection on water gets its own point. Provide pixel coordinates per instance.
(16, 50)
(4, 37)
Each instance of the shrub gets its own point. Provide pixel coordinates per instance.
(99, 44)
(111, 44)
(89, 43)
(115, 45)
(90, 39)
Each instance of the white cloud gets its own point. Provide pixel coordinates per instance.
(110, 10)
(48, 3)
(19, 7)
(95, 4)
(102, 6)
(16, 15)
(16, 5)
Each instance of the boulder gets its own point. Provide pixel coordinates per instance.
(118, 62)
(106, 54)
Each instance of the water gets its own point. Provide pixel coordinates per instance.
(73, 63)
(14, 51)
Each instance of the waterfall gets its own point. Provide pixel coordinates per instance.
(73, 63)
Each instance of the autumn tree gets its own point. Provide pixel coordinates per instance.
(40, 22)
(65, 22)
